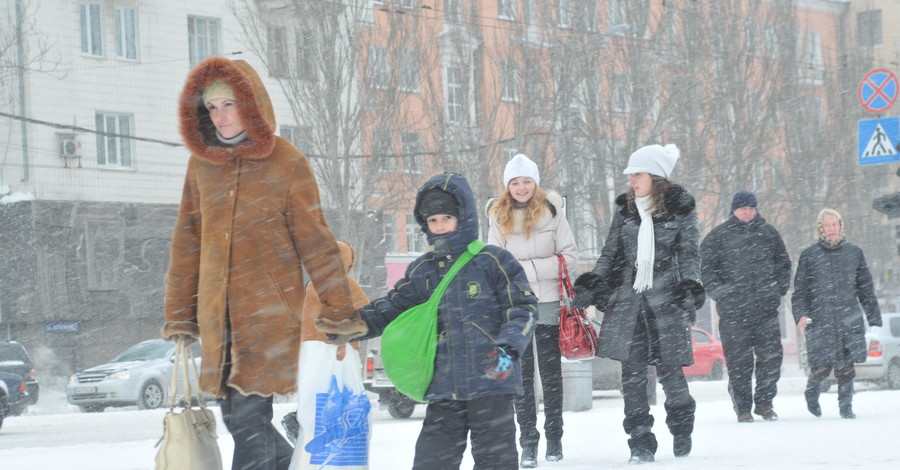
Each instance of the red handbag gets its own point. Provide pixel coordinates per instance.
(577, 337)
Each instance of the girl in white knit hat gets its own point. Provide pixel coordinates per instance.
(647, 284)
(530, 223)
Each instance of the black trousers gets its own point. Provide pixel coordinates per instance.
(680, 405)
(749, 347)
(546, 338)
(257, 444)
(448, 425)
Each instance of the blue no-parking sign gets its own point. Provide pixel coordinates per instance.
(878, 140)
(877, 91)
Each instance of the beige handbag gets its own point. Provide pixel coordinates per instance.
(189, 440)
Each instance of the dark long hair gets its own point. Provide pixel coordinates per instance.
(657, 196)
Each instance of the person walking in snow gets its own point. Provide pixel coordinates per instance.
(529, 222)
(485, 319)
(833, 291)
(249, 221)
(647, 283)
(747, 270)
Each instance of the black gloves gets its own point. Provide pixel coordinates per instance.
(584, 297)
(502, 358)
(591, 289)
(690, 294)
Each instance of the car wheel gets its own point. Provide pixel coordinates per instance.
(152, 396)
(401, 406)
(892, 376)
(717, 371)
(92, 408)
(4, 405)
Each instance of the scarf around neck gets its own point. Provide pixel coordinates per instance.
(646, 246)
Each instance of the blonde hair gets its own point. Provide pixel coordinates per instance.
(503, 207)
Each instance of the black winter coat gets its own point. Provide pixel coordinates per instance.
(676, 258)
(831, 284)
(488, 303)
(746, 270)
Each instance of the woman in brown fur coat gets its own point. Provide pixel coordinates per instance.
(250, 220)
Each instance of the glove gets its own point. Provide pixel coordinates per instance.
(501, 362)
(584, 297)
(589, 280)
(690, 294)
(341, 332)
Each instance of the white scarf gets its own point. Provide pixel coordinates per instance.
(646, 246)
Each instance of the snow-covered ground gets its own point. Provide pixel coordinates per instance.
(55, 436)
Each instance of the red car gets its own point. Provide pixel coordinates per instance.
(709, 359)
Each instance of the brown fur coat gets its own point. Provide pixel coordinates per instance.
(250, 219)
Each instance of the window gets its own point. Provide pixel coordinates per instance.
(618, 12)
(276, 51)
(415, 239)
(452, 11)
(409, 70)
(203, 38)
(868, 28)
(126, 33)
(454, 95)
(412, 161)
(509, 80)
(381, 150)
(506, 9)
(388, 232)
(306, 55)
(620, 93)
(301, 137)
(770, 38)
(565, 13)
(813, 49)
(113, 150)
(379, 75)
(91, 29)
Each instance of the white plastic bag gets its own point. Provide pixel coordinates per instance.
(333, 410)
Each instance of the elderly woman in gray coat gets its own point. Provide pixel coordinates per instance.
(832, 290)
(647, 283)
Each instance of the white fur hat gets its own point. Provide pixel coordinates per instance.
(520, 165)
(654, 159)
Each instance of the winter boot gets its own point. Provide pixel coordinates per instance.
(682, 446)
(529, 457)
(845, 399)
(812, 397)
(745, 417)
(554, 451)
(643, 447)
(767, 413)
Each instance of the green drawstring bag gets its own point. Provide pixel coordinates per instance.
(409, 343)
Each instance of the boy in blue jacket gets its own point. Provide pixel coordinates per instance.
(485, 318)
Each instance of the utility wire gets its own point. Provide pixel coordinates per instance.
(91, 131)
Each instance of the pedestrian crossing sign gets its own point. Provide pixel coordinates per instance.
(878, 141)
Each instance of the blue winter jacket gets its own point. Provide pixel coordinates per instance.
(488, 303)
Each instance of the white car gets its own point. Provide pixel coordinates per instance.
(883, 359)
(141, 375)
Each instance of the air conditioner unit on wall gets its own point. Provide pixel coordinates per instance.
(69, 146)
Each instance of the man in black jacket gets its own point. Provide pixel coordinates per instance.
(746, 270)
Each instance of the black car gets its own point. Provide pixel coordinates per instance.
(15, 360)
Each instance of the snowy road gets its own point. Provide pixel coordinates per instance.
(55, 436)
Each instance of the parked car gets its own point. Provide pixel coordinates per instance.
(15, 360)
(376, 381)
(709, 357)
(882, 364)
(12, 392)
(141, 375)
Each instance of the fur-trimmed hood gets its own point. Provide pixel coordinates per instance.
(678, 201)
(254, 106)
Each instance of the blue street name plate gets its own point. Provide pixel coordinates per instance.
(878, 140)
(61, 327)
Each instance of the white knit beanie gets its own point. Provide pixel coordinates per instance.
(654, 159)
(520, 165)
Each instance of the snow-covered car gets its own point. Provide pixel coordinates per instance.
(883, 359)
(141, 375)
(15, 360)
(376, 381)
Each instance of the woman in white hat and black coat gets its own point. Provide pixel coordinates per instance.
(647, 284)
(530, 223)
